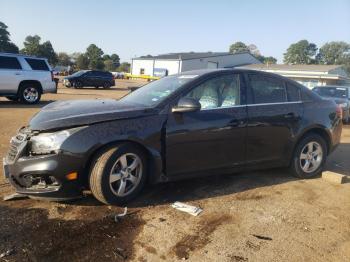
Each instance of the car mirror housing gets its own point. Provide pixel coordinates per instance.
(186, 104)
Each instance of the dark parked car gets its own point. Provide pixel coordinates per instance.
(193, 124)
(89, 78)
(339, 94)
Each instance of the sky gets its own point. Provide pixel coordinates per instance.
(134, 28)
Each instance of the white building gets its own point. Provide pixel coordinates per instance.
(308, 75)
(174, 63)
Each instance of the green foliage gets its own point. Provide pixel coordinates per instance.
(334, 53)
(5, 43)
(82, 62)
(109, 65)
(267, 59)
(94, 55)
(32, 46)
(301, 52)
(238, 47)
(64, 59)
(124, 67)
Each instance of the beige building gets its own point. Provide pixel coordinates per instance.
(308, 75)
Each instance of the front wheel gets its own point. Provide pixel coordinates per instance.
(309, 156)
(118, 174)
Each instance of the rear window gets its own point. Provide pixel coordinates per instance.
(338, 92)
(37, 64)
(293, 93)
(7, 62)
(266, 89)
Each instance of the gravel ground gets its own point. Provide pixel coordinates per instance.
(256, 216)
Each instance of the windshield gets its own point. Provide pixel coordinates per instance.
(155, 92)
(338, 92)
(79, 73)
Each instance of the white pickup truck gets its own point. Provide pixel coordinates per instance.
(25, 78)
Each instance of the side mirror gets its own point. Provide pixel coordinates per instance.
(186, 104)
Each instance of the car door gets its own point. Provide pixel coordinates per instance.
(88, 79)
(274, 115)
(10, 74)
(213, 137)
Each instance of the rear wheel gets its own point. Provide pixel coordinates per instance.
(29, 94)
(106, 85)
(309, 156)
(118, 174)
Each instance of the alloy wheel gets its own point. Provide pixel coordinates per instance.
(125, 174)
(30, 94)
(311, 157)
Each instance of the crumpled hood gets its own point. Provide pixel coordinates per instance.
(70, 113)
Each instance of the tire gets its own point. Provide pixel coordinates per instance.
(77, 84)
(29, 94)
(12, 98)
(302, 155)
(107, 188)
(106, 85)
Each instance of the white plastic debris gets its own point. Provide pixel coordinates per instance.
(14, 196)
(118, 216)
(192, 210)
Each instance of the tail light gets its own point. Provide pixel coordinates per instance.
(339, 111)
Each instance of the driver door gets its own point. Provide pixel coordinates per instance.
(213, 137)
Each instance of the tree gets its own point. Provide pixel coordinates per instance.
(94, 55)
(82, 62)
(64, 59)
(124, 67)
(109, 65)
(301, 52)
(267, 59)
(116, 60)
(238, 47)
(334, 53)
(32, 46)
(5, 43)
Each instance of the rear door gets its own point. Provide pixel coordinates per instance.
(274, 115)
(10, 74)
(214, 137)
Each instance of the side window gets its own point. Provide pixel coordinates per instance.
(37, 64)
(267, 89)
(218, 92)
(293, 93)
(7, 62)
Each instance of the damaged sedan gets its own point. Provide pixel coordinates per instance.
(192, 124)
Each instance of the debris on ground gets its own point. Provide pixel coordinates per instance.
(120, 253)
(192, 210)
(14, 196)
(262, 237)
(7, 253)
(162, 219)
(119, 216)
(334, 177)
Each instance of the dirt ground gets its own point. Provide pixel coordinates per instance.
(256, 216)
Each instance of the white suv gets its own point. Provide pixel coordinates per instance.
(25, 78)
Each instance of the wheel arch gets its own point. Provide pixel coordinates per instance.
(30, 82)
(321, 131)
(153, 158)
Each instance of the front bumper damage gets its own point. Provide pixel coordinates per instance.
(42, 176)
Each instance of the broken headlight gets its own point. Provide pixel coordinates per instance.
(47, 143)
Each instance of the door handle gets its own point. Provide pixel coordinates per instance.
(290, 115)
(17, 74)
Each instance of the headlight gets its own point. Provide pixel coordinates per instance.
(343, 105)
(47, 143)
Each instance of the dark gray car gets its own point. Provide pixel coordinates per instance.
(339, 94)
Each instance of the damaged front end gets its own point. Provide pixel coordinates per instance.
(35, 167)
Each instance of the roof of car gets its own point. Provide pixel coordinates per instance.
(22, 55)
